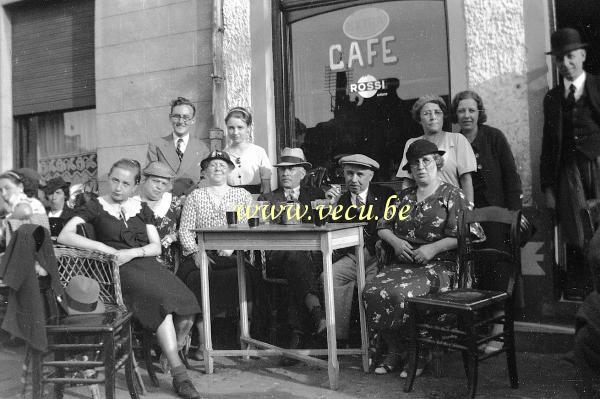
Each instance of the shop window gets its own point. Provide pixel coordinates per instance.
(349, 75)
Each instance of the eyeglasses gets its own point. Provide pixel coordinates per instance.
(437, 113)
(184, 118)
(422, 161)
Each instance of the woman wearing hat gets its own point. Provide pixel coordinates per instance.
(459, 160)
(206, 207)
(253, 168)
(424, 259)
(124, 228)
(57, 193)
(154, 191)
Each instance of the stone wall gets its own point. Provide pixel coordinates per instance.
(147, 53)
(497, 70)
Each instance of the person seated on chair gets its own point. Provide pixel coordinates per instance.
(124, 228)
(421, 228)
(59, 212)
(358, 173)
(206, 207)
(299, 267)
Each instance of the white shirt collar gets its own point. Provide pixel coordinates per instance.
(54, 214)
(185, 138)
(362, 195)
(295, 190)
(579, 84)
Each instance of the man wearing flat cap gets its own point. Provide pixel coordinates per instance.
(571, 143)
(358, 173)
(300, 268)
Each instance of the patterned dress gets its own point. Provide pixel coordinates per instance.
(428, 221)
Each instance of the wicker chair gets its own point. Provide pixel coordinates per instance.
(85, 346)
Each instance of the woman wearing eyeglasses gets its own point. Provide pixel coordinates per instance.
(207, 207)
(253, 168)
(124, 228)
(180, 150)
(423, 245)
(459, 159)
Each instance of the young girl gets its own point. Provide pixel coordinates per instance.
(252, 165)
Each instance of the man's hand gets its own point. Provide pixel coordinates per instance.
(334, 194)
(550, 198)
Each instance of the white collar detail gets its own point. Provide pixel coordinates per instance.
(131, 207)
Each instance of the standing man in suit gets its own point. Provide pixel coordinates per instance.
(299, 267)
(181, 152)
(358, 173)
(571, 143)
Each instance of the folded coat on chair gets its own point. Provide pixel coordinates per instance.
(25, 315)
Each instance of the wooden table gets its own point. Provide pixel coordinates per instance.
(303, 237)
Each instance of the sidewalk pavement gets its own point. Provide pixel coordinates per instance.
(541, 375)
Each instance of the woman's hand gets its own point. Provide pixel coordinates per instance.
(123, 256)
(402, 249)
(424, 253)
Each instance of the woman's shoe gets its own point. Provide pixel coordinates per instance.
(389, 364)
(422, 363)
(196, 354)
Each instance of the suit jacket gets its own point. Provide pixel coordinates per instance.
(306, 195)
(553, 129)
(25, 315)
(377, 197)
(163, 150)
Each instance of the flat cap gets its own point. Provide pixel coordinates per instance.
(158, 169)
(361, 160)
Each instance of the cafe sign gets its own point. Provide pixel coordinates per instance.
(363, 26)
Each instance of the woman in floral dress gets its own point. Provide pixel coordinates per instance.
(423, 241)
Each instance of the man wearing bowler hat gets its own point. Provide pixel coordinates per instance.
(358, 170)
(571, 143)
(299, 267)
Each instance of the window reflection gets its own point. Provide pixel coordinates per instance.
(356, 73)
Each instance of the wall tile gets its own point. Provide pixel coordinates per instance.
(107, 8)
(169, 52)
(109, 95)
(122, 128)
(120, 60)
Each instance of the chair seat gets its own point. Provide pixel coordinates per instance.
(100, 322)
(462, 299)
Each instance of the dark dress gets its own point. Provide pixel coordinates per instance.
(150, 290)
(428, 221)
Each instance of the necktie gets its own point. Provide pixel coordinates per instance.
(178, 149)
(358, 201)
(571, 95)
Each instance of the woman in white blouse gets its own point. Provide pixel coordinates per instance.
(252, 167)
(207, 207)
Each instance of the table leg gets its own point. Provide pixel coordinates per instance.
(333, 365)
(244, 325)
(208, 360)
(360, 281)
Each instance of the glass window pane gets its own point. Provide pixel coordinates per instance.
(356, 73)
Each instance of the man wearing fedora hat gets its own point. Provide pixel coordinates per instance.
(358, 170)
(571, 143)
(57, 194)
(299, 267)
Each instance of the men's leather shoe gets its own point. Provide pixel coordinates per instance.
(317, 315)
(185, 389)
(296, 342)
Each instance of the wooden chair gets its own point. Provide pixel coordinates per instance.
(474, 309)
(87, 345)
(590, 216)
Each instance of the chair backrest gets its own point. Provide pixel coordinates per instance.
(590, 217)
(469, 254)
(101, 267)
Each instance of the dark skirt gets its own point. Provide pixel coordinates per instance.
(152, 292)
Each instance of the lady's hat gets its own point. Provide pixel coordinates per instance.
(158, 169)
(222, 155)
(565, 40)
(82, 296)
(54, 184)
(418, 149)
(293, 157)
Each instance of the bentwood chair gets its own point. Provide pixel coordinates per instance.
(87, 349)
(462, 319)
